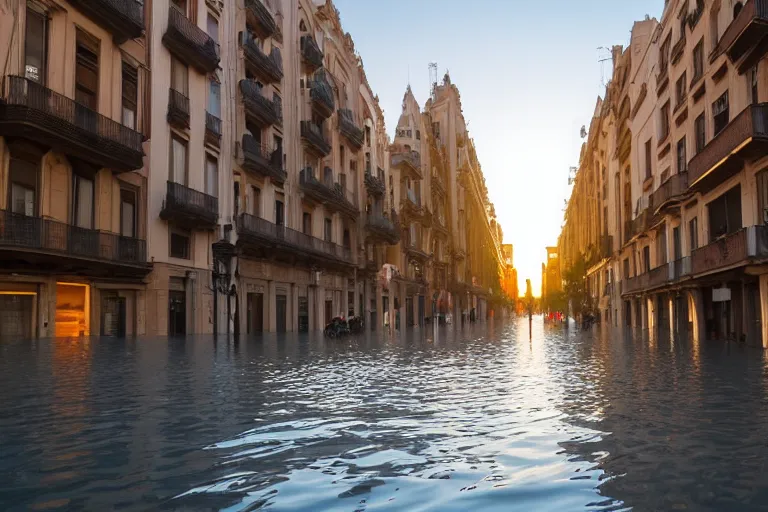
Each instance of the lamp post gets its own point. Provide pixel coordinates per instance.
(221, 277)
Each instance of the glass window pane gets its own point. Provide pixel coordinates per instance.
(84, 205)
(214, 99)
(35, 42)
(179, 161)
(212, 177)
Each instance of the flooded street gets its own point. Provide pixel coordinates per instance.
(479, 419)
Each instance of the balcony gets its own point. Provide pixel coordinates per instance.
(330, 194)
(178, 110)
(415, 253)
(349, 128)
(659, 276)
(670, 192)
(439, 226)
(745, 38)
(190, 208)
(375, 185)
(263, 161)
(269, 68)
(383, 229)
(123, 18)
(437, 184)
(212, 130)
(311, 54)
(315, 138)
(190, 43)
(34, 112)
(606, 247)
(746, 136)
(321, 94)
(264, 238)
(258, 16)
(726, 251)
(262, 110)
(34, 244)
(681, 268)
(408, 161)
(410, 206)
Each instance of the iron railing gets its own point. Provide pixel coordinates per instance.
(751, 123)
(268, 67)
(349, 128)
(375, 185)
(191, 201)
(178, 109)
(66, 122)
(249, 225)
(124, 18)
(412, 159)
(266, 111)
(384, 227)
(321, 93)
(191, 43)
(681, 268)
(328, 192)
(723, 252)
(263, 160)
(260, 18)
(311, 53)
(212, 127)
(316, 137)
(675, 186)
(36, 233)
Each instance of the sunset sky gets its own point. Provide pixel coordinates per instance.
(529, 74)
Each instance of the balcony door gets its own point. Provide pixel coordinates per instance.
(178, 164)
(36, 46)
(23, 187)
(725, 214)
(87, 81)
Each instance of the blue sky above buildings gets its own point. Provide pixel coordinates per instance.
(529, 75)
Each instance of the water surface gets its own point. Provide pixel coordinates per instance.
(483, 418)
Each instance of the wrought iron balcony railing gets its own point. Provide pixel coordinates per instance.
(189, 207)
(743, 36)
(263, 160)
(190, 43)
(212, 129)
(45, 235)
(321, 93)
(259, 17)
(674, 188)
(333, 195)
(681, 268)
(315, 137)
(261, 109)
(384, 229)
(178, 109)
(375, 185)
(33, 111)
(268, 67)
(311, 53)
(748, 129)
(725, 251)
(349, 128)
(257, 231)
(123, 18)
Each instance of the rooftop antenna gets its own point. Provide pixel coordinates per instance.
(433, 79)
(602, 62)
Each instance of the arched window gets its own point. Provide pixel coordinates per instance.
(302, 26)
(737, 9)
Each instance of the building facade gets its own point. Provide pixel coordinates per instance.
(676, 152)
(172, 167)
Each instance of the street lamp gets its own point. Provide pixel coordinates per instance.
(221, 280)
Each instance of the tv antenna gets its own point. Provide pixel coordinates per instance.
(602, 60)
(433, 79)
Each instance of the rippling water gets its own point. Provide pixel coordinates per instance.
(480, 419)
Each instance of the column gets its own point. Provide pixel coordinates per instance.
(293, 310)
(320, 308)
(764, 309)
(271, 324)
(672, 316)
(696, 311)
(366, 313)
(379, 290)
(345, 296)
(191, 296)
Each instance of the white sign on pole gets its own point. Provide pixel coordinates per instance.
(721, 294)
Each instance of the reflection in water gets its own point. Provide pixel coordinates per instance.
(474, 419)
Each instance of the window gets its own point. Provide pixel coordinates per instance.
(181, 5)
(682, 159)
(661, 246)
(681, 90)
(678, 249)
(664, 54)
(211, 176)
(698, 61)
(130, 94)
(213, 28)
(665, 115)
(752, 85)
(83, 202)
(762, 197)
(693, 233)
(328, 230)
(280, 210)
(713, 26)
(625, 266)
(87, 70)
(35, 47)
(367, 135)
(725, 214)
(306, 223)
(214, 98)
(178, 161)
(648, 159)
(700, 131)
(646, 259)
(368, 169)
(179, 77)
(737, 9)
(342, 163)
(180, 245)
(418, 135)
(128, 213)
(23, 189)
(255, 201)
(720, 113)
(346, 239)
